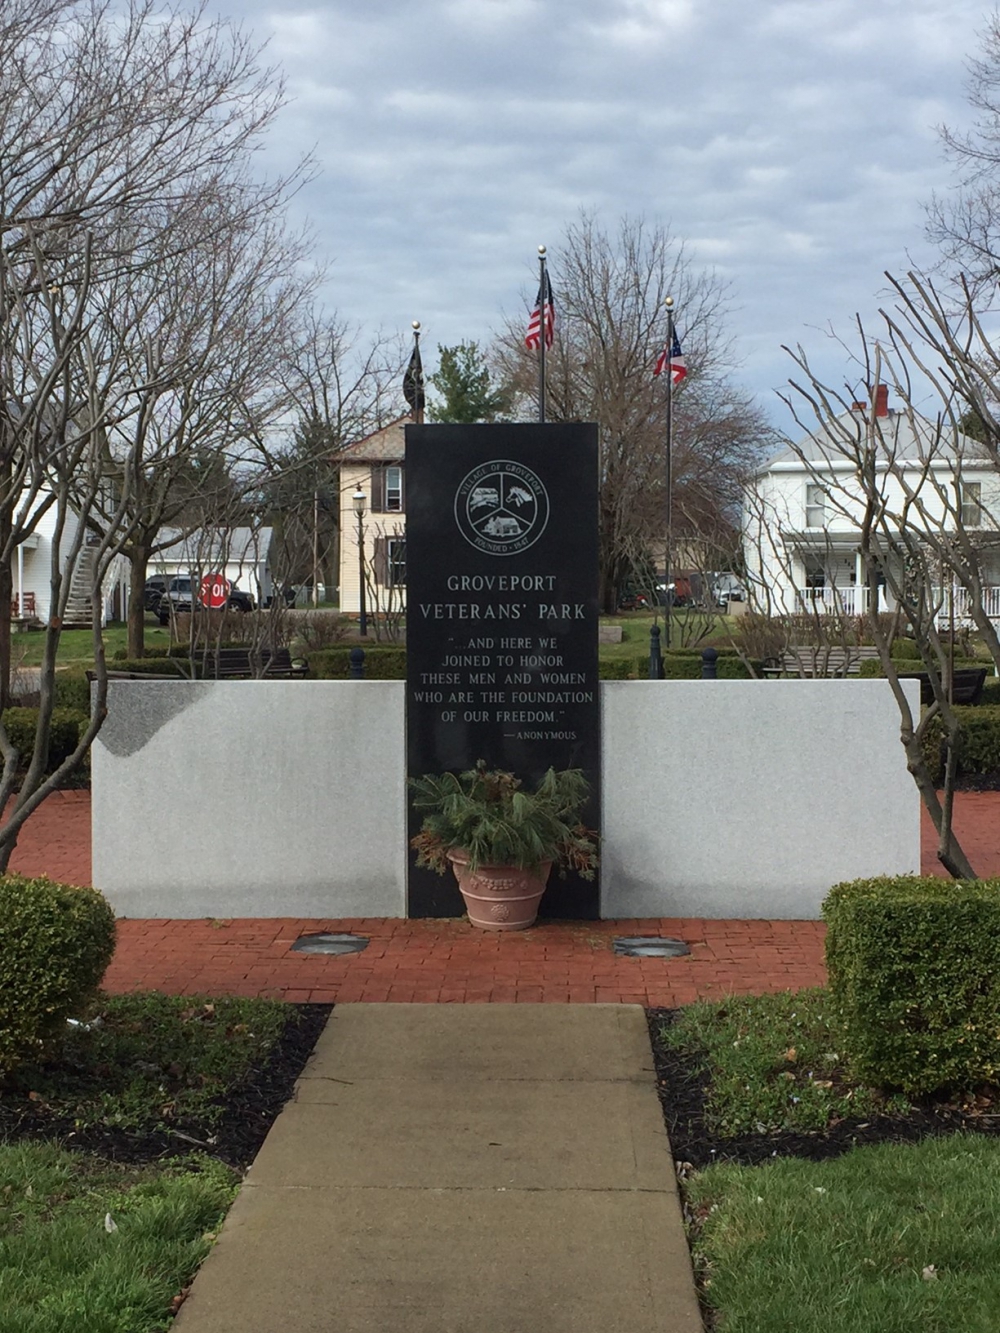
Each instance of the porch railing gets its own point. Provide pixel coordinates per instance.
(853, 601)
(849, 601)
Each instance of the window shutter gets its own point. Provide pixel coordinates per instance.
(378, 489)
(380, 562)
(402, 488)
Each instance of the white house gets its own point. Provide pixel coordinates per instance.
(239, 554)
(373, 519)
(804, 509)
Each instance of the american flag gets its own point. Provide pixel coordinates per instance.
(543, 305)
(677, 363)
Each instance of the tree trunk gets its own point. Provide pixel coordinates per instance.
(138, 562)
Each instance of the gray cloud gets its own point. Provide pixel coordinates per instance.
(790, 144)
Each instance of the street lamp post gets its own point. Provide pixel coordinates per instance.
(358, 500)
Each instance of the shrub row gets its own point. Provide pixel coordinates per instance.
(55, 945)
(389, 663)
(871, 666)
(978, 743)
(381, 663)
(68, 724)
(914, 973)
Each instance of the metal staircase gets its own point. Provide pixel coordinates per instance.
(79, 606)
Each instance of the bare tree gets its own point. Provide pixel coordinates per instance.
(610, 291)
(965, 222)
(897, 480)
(120, 129)
(342, 386)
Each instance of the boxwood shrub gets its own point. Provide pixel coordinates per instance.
(978, 743)
(64, 732)
(616, 668)
(381, 663)
(55, 945)
(914, 974)
(871, 666)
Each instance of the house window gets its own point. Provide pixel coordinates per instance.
(396, 563)
(972, 504)
(393, 490)
(815, 507)
(815, 572)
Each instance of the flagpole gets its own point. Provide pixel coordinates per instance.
(418, 415)
(669, 303)
(542, 294)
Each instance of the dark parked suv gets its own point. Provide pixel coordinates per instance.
(153, 591)
(177, 599)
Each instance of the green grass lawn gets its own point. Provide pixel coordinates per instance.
(776, 1063)
(888, 1238)
(694, 629)
(100, 1247)
(151, 1062)
(76, 646)
(89, 1245)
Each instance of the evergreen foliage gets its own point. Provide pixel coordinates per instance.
(914, 967)
(487, 814)
(56, 942)
(464, 387)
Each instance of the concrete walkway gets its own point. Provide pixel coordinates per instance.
(460, 1169)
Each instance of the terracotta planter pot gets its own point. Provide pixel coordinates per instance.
(500, 897)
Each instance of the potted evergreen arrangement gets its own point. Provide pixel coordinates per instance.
(502, 840)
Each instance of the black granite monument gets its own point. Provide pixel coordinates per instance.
(501, 617)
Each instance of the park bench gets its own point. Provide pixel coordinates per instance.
(820, 661)
(966, 686)
(241, 664)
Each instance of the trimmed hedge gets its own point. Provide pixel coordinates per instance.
(157, 666)
(72, 690)
(914, 973)
(389, 663)
(978, 742)
(56, 942)
(616, 668)
(381, 663)
(67, 725)
(871, 666)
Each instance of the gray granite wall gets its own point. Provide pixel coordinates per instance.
(749, 799)
(251, 799)
(286, 798)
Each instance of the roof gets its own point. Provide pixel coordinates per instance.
(904, 437)
(242, 546)
(382, 446)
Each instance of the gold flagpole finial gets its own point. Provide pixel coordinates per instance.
(541, 251)
(669, 303)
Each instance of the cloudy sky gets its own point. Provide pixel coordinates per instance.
(789, 143)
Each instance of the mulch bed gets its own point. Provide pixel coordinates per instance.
(681, 1084)
(249, 1111)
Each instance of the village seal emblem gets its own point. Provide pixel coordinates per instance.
(501, 507)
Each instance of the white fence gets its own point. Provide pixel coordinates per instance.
(287, 798)
(852, 600)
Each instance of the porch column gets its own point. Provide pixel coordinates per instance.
(860, 591)
(20, 579)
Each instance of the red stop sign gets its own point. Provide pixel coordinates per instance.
(214, 591)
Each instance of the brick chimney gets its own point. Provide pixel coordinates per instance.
(882, 400)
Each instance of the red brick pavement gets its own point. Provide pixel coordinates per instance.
(446, 961)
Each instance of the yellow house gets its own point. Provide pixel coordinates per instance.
(373, 520)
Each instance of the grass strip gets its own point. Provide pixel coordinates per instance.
(773, 1062)
(889, 1238)
(88, 1246)
(147, 1061)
